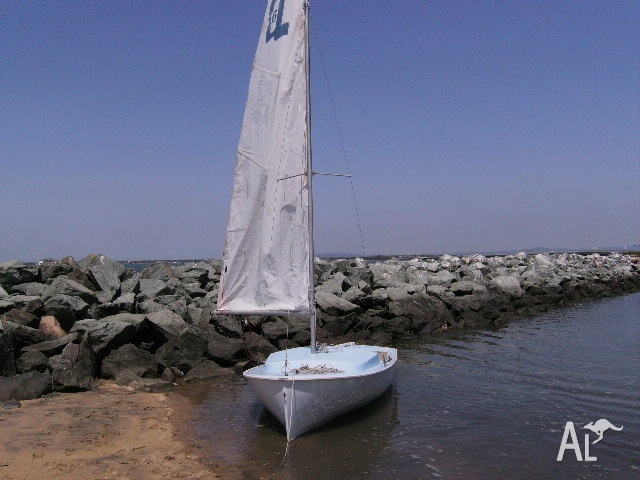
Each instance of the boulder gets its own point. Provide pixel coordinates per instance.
(66, 309)
(27, 386)
(75, 368)
(182, 353)
(205, 370)
(24, 336)
(14, 272)
(129, 358)
(51, 347)
(227, 325)
(169, 323)
(132, 380)
(334, 305)
(27, 303)
(106, 274)
(50, 326)
(158, 271)
(7, 352)
(33, 360)
(257, 347)
(105, 335)
(31, 289)
(225, 351)
(20, 317)
(508, 284)
(66, 286)
(50, 269)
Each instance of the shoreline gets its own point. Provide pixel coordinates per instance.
(111, 432)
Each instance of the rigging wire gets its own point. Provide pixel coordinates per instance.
(344, 150)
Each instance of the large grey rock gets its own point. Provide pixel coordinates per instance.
(50, 269)
(66, 286)
(31, 289)
(20, 317)
(27, 386)
(257, 347)
(466, 287)
(159, 271)
(129, 358)
(3, 293)
(227, 325)
(184, 352)
(422, 309)
(105, 335)
(508, 284)
(27, 303)
(7, 352)
(66, 308)
(388, 274)
(52, 347)
(169, 323)
(225, 351)
(75, 368)
(106, 273)
(205, 370)
(334, 305)
(33, 360)
(14, 272)
(24, 336)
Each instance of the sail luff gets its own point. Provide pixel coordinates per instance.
(267, 251)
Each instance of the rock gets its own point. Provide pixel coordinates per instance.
(207, 369)
(442, 278)
(75, 368)
(169, 323)
(29, 304)
(158, 271)
(31, 289)
(26, 386)
(334, 305)
(51, 347)
(182, 353)
(278, 329)
(466, 287)
(508, 284)
(50, 326)
(33, 360)
(7, 352)
(388, 274)
(50, 269)
(3, 293)
(14, 272)
(105, 335)
(66, 309)
(257, 347)
(24, 336)
(227, 326)
(20, 317)
(129, 358)
(66, 286)
(106, 274)
(422, 309)
(225, 351)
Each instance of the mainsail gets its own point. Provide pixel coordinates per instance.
(268, 246)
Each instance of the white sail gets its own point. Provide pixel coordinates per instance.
(266, 257)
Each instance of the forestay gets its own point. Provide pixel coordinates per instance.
(267, 252)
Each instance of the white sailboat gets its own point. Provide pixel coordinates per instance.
(268, 259)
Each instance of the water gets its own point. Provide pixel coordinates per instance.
(473, 405)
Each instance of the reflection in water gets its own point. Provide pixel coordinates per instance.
(471, 404)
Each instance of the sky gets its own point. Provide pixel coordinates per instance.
(467, 126)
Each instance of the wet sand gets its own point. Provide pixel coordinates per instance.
(112, 432)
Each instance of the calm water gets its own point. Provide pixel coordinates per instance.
(477, 405)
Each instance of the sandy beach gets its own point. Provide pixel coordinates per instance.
(112, 432)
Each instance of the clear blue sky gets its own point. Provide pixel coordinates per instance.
(469, 126)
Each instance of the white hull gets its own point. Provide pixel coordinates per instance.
(303, 401)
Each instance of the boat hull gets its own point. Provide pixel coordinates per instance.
(304, 401)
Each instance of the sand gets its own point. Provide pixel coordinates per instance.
(112, 432)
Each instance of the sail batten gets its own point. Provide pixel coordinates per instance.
(267, 253)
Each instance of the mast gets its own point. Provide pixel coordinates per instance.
(312, 295)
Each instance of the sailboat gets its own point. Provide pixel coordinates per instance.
(268, 261)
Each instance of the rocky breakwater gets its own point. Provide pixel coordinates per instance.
(65, 324)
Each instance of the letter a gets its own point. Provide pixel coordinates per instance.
(575, 446)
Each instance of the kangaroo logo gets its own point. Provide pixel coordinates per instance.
(600, 427)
